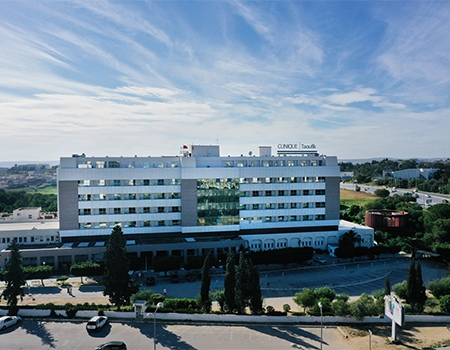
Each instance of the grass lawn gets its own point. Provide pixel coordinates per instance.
(44, 189)
(349, 198)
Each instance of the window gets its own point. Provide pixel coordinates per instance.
(87, 225)
(293, 192)
(146, 164)
(280, 205)
(174, 164)
(146, 223)
(113, 164)
(100, 164)
(160, 209)
(160, 222)
(116, 197)
(101, 183)
(320, 204)
(307, 192)
(266, 163)
(102, 211)
(255, 206)
(131, 183)
(268, 193)
(146, 196)
(160, 196)
(303, 163)
(281, 193)
(160, 165)
(320, 179)
(241, 164)
(320, 192)
(30, 216)
(116, 183)
(227, 164)
(306, 205)
(102, 225)
(132, 223)
(268, 219)
(84, 183)
(146, 210)
(132, 196)
(116, 210)
(255, 193)
(146, 182)
(293, 205)
(102, 197)
(85, 164)
(174, 195)
(319, 217)
(160, 182)
(132, 210)
(176, 222)
(291, 163)
(293, 218)
(84, 212)
(175, 209)
(281, 218)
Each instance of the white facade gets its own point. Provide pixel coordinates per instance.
(288, 200)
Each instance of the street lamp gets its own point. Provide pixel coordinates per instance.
(321, 325)
(160, 304)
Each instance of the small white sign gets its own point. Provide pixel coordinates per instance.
(394, 309)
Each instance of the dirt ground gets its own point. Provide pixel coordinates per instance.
(409, 337)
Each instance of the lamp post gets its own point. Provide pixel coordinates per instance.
(321, 325)
(154, 324)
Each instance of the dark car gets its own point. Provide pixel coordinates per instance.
(112, 345)
(175, 278)
(151, 281)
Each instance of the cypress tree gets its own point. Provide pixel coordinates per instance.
(14, 278)
(205, 285)
(256, 299)
(411, 285)
(230, 282)
(387, 286)
(242, 288)
(421, 290)
(118, 284)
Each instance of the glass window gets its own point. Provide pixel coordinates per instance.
(146, 223)
(160, 164)
(113, 164)
(132, 223)
(293, 205)
(84, 183)
(102, 225)
(132, 210)
(85, 164)
(146, 210)
(306, 205)
(160, 209)
(100, 164)
(146, 164)
(116, 183)
(160, 196)
(132, 196)
(174, 164)
(281, 193)
(291, 163)
(227, 164)
(268, 193)
(320, 192)
(131, 183)
(147, 182)
(116, 210)
(146, 196)
(102, 211)
(176, 222)
(241, 163)
(160, 182)
(320, 204)
(293, 192)
(161, 223)
(175, 209)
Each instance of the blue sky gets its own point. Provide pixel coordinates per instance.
(359, 79)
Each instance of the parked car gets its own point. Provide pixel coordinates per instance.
(319, 260)
(96, 323)
(8, 321)
(112, 345)
(444, 201)
(151, 281)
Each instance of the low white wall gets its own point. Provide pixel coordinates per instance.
(3, 312)
(119, 314)
(86, 313)
(33, 313)
(425, 318)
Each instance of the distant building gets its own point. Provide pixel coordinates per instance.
(27, 214)
(347, 175)
(409, 174)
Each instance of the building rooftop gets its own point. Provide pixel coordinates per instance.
(29, 225)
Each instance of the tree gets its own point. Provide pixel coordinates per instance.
(206, 282)
(14, 278)
(242, 288)
(387, 286)
(256, 299)
(305, 299)
(118, 284)
(444, 304)
(364, 306)
(230, 282)
(38, 272)
(86, 268)
(421, 290)
(166, 263)
(382, 192)
(411, 285)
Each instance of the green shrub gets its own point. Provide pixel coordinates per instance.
(270, 310)
(157, 298)
(286, 308)
(62, 278)
(364, 306)
(181, 304)
(325, 292)
(444, 304)
(142, 295)
(71, 312)
(400, 289)
(326, 307)
(101, 312)
(341, 307)
(440, 287)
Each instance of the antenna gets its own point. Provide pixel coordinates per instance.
(250, 153)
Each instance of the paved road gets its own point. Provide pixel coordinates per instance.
(424, 198)
(139, 336)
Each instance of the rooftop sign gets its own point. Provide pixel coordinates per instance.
(296, 148)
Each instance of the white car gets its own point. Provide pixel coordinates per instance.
(96, 323)
(8, 321)
(319, 260)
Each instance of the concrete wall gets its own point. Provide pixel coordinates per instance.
(68, 205)
(189, 202)
(332, 198)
